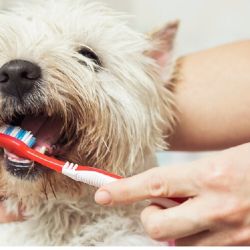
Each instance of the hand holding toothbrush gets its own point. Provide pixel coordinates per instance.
(218, 213)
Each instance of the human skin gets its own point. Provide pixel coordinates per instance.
(218, 212)
(212, 96)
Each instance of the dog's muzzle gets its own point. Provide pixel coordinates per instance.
(23, 106)
(47, 131)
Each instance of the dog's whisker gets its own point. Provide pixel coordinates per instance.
(52, 187)
(44, 185)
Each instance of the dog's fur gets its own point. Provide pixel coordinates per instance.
(115, 115)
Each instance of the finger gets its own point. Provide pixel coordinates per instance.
(222, 237)
(173, 223)
(198, 239)
(174, 181)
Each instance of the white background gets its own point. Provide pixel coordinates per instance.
(204, 23)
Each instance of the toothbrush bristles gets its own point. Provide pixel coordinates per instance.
(20, 134)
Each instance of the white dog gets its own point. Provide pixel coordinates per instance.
(92, 91)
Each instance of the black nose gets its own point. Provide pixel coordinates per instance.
(18, 77)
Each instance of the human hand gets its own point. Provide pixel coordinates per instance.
(218, 212)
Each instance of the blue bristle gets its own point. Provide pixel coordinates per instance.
(9, 130)
(20, 134)
(32, 142)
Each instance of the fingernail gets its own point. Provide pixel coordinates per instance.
(103, 197)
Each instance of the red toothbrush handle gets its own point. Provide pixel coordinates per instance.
(19, 148)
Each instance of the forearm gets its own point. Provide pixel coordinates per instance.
(213, 98)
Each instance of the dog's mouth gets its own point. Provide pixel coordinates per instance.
(50, 139)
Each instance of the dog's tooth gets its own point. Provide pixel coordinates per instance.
(18, 167)
(49, 113)
(41, 149)
(20, 161)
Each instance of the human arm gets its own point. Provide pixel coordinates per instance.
(213, 98)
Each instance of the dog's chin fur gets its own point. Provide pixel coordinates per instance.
(115, 115)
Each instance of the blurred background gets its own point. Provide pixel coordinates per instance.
(203, 24)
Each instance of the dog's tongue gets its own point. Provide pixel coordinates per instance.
(45, 129)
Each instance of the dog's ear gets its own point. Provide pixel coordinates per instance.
(163, 43)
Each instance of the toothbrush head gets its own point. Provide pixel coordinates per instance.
(20, 148)
(25, 136)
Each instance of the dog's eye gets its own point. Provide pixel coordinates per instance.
(87, 52)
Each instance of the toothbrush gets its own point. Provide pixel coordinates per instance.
(20, 142)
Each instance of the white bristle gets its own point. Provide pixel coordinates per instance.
(15, 131)
(41, 149)
(26, 137)
(19, 133)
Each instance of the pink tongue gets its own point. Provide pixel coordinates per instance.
(45, 129)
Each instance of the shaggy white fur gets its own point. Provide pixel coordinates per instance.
(114, 114)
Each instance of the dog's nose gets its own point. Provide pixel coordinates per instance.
(18, 77)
